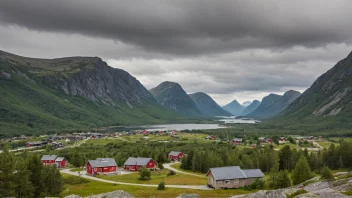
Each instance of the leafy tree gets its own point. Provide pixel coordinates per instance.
(284, 180)
(291, 140)
(161, 186)
(161, 166)
(145, 174)
(326, 173)
(301, 172)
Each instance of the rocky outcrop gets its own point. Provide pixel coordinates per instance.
(188, 196)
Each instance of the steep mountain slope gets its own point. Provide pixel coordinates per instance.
(207, 105)
(253, 106)
(273, 104)
(246, 103)
(234, 108)
(71, 93)
(172, 96)
(328, 101)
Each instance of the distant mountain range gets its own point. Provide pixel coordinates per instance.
(253, 106)
(207, 105)
(234, 108)
(172, 96)
(273, 104)
(247, 103)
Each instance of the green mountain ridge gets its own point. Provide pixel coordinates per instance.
(207, 105)
(273, 104)
(172, 96)
(234, 108)
(327, 104)
(54, 95)
(250, 108)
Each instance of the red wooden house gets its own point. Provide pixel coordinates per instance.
(60, 162)
(211, 137)
(270, 141)
(145, 132)
(101, 165)
(135, 164)
(237, 140)
(175, 155)
(282, 139)
(262, 140)
(48, 159)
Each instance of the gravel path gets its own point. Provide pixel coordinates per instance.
(67, 171)
(168, 166)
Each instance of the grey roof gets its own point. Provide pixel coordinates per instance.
(229, 172)
(251, 173)
(237, 139)
(234, 172)
(140, 161)
(59, 159)
(174, 153)
(102, 162)
(49, 157)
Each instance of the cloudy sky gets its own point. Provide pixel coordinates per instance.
(241, 49)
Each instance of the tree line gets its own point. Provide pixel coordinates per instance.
(25, 176)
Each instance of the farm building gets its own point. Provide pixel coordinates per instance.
(262, 139)
(211, 137)
(237, 140)
(232, 177)
(175, 155)
(101, 165)
(39, 143)
(136, 163)
(60, 162)
(48, 159)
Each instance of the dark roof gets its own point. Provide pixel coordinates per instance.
(229, 172)
(49, 157)
(234, 172)
(102, 162)
(253, 173)
(174, 153)
(140, 161)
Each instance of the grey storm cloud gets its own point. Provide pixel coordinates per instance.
(187, 27)
(241, 49)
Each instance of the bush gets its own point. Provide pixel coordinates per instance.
(257, 184)
(171, 173)
(161, 166)
(145, 174)
(161, 186)
(326, 173)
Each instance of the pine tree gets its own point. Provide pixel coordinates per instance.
(285, 158)
(144, 174)
(284, 180)
(24, 187)
(7, 165)
(301, 172)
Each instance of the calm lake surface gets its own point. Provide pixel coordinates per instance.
(233, 120)
(177, 127)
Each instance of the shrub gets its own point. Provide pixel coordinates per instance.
(161, 166)
(326, 173)
(171, 173)
(257, 184)
(145, 174)
(161, 186)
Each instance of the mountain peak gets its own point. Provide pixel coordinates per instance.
(207, 105)
(234, 107)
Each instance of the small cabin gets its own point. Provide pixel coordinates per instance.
(60, 162)
(48, 159)
(237, 141)
(136, 163)
(175, 155)
(232, 177)
(101, 165)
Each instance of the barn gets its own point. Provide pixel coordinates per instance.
(237, 140)
(232, 177)
(175, 155)
(60, 162)
(48, 159)
(136, 163)
(101, 165)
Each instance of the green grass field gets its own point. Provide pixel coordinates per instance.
(157, 177)
(326, 144)
(90, 187)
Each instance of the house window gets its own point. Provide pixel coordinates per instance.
(236, 181)
(227, 181)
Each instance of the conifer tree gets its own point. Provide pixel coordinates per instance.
(7, 165)
(22, 176)
(301, 172)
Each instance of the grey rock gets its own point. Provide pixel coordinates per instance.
(188, 196)
(114, 194)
